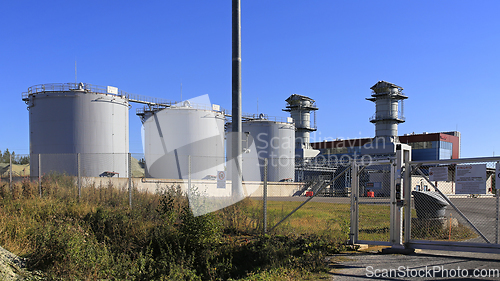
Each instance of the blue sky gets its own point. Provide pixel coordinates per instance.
(443, 53)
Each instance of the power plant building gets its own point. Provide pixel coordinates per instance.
(388, 99)
(425, 146)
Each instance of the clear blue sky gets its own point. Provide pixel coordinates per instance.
(445, 54)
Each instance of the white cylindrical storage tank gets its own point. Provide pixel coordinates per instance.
(174, 134)
(78, 125)
(273, 140)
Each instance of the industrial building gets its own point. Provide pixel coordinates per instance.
(388, 99)
(87, 126)
(424, 146)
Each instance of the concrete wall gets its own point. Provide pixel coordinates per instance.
(252, 189)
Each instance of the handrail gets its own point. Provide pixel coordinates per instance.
(65, 87)
(377, 118)
(62, 87)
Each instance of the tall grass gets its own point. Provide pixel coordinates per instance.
(97, 236)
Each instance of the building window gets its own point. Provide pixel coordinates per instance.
(421, 145)
(446, 145)
(337, 150)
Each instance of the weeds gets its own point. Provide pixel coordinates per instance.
(100, 237)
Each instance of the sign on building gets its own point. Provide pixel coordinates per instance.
(112, 90)
(221, 179)
(470, 179)
(438, 174)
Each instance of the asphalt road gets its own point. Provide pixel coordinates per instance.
(423, 265)
(481, 212)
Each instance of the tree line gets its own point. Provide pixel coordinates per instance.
(16, 159)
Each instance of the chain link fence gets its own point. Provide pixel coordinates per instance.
(451, 200)
(454, 202)
(374, 183)
(274, 187)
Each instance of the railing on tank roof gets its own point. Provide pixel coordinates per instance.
(149, 100)
(261, 116)
(62, 87)
(184, 104)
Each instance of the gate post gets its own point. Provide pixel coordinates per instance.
(396, 228)
(354, 231)
(407, 196)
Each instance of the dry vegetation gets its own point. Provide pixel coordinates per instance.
(97, 236)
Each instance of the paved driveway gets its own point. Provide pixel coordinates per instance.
(423, 265)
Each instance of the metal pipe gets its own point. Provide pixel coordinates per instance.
(189, 174)
(79, 174)
(497, 178)
(40, 174)
(130, 180)
(264, 195)
(237, 178)
(354, 231)
(10, 172)
(456, 161)
(497, 218)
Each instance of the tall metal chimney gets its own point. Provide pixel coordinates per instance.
(237, 147)
(300, 108)
(387, 117)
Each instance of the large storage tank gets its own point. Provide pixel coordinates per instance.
(274, 140)
(173, 134)
(78, 124)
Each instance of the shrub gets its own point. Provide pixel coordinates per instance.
(68, 251)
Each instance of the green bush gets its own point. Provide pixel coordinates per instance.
(67, 251)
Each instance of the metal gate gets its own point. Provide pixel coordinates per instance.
(373, 190)
(452, 205)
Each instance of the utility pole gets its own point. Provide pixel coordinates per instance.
(237, 176)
